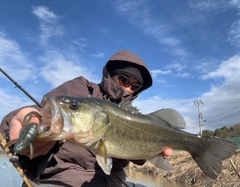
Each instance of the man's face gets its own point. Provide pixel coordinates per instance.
(128, 83)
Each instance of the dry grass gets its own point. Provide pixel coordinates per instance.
(186, 171)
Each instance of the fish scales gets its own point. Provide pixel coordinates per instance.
(141, 136)
(109, 130)
(118, 131)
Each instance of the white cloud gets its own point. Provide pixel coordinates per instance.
(98, 55)
(215, 111)
(162, 81)
(235, 3)
(14, 61)
(80, 43)
(10, 51)
(228, 69)
(128, 5)
(195, 11)
(10, 101)
(176, 66)
(234, 34)
(171, 68)
(205, 66)
(138, 13)
(184, 106)
(44, 14)
(59, 68)
(155, 73)
(208, 5)
(184, 75)
(49, 24)
(171, 41)
(221, 102)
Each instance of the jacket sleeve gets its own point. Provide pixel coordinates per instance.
(75, 87)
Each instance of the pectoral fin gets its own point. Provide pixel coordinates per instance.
(103, 160)
(104, 163)
(162, 163)
(103, 151)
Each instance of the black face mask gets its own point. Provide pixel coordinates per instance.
(125, 94)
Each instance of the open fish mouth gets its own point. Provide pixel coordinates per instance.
(51, 115)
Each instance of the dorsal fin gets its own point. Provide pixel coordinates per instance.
(127, 105)
(171, 116)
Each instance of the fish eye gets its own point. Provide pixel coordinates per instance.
(74, 105)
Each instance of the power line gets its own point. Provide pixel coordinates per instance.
(221, 96)
(224, 113)
(223, 117)
(226, 88)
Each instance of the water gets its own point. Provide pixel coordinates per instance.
(9, 176)
(149, 179)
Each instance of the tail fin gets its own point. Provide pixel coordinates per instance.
(214, 151)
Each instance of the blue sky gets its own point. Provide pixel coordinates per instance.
(191, 48)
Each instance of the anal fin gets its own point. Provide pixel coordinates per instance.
(162, 163)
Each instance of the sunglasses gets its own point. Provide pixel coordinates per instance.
(125, 82)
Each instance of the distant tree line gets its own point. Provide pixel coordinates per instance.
(224, 132)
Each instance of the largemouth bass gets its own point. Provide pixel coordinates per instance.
(111, 130)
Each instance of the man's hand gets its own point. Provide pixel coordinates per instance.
(16, 125)
(167, 152)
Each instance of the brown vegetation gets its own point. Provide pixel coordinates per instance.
(186, 171)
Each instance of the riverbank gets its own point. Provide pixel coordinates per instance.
(186, 171)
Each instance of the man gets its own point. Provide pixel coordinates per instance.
(61, 163)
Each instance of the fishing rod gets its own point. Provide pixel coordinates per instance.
(18, 86)
(24, 91)
(3, 141)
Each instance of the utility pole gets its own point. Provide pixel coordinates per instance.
(198, 103)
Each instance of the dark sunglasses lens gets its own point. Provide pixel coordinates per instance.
(136, 87)
(123, 80)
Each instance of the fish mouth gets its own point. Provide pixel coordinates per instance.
(51, 114)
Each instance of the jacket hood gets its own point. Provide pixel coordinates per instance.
(128, 58)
